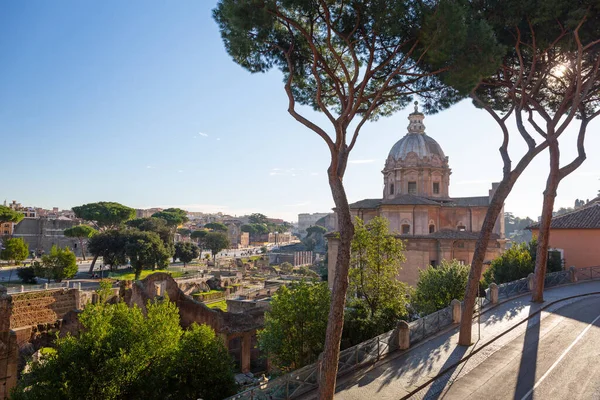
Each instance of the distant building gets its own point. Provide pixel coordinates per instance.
(308, 220)
(417, 203)
(146, 213)
(42, 233)
(576, 235)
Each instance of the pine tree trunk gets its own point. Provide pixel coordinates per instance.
(335, 324)
(82, 248)
(481, 246)
(541, 259)
(93, 264)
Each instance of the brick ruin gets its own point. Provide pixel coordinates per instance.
(28, 321)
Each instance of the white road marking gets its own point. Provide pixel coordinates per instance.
(577, 339)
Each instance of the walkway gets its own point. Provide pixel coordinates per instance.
(402, 373)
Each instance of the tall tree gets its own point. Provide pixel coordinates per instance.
(81, 232)
(199, 236)
(524, 87)
(145, 250)
(258, 218)
(186, 252)
(172, 216)
(59, 264)
(9, 215)
(375, 263)
(104, 214)
(294, 332)
(158, 226)
(215, 242)
(15, 249)
(110, 245)
(354, 62)
(216, 226)
(570, 90)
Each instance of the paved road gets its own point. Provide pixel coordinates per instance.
(555, 359)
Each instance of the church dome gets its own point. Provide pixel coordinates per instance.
(416, 141)
(419, 143)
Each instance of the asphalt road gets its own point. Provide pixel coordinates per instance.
(559, 359)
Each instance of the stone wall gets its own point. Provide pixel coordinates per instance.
(42, 233)
(35, 308)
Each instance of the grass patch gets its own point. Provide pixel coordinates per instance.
(221, 305)
(128, 275)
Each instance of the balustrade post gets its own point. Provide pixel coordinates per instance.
(530, 281)
(493, 293)
(22, 288)
(78, 285)
(456, 311)
(403, 335)
(319, 367)
(572, 274)
(46, 286)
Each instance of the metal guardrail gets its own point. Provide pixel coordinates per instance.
(303, 380)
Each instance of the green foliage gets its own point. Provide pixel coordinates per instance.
(158, 226)
(186, 252)
(184, 232)
(172, 216)
(15, 249)
(377, 299)
(263, 250)
(294, 333)
(517, 263)
(286, 267)
(80, 232)
(317, 230)
(258, 218)
(26, 275)
(110, 245)
(105, 290)
(59, 264)
(215, 242)
(106, 215)
(145, 250)
(438, 286)
(216, 226)
(376, 260)
(9, 215)
(122, 354)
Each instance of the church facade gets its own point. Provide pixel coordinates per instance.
(416, 201)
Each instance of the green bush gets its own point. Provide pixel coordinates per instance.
(123, 354)
(438, 286)
(26, 275)
(518, 262)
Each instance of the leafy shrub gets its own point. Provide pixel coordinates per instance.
(26, 275)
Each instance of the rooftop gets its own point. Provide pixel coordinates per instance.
(586, 217)
(409, 199)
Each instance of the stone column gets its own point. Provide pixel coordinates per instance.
(403, 335)
(246, 347)
(493, 293)
(456, 311)
(530, 281)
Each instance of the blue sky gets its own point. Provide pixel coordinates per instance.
(138, 102)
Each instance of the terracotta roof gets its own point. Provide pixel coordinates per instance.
(587, 217)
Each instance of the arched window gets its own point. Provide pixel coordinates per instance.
(431, 228)
(391, 188)
(405, 229)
